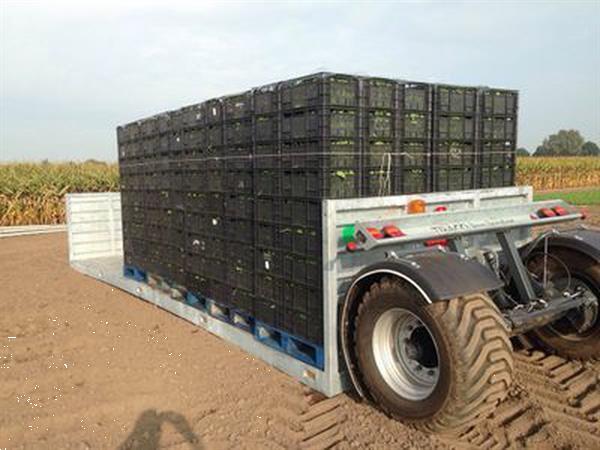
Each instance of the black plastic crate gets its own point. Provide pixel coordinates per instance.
(195, 201)
(416, 97)
(267, 311)
(320, 89)
(379, 181)
(266, 99)
(214, 136)
(238, 132)
(240, 254)
(379, 153)
(499, 102)
(416, 126)
(303, 325)
(380, 93)
(304, 241)
(454, 179)
(239, 230)
(454, 128)
(301, 212)
(242, 300)
(269, 261)
(133, 213)
(238, 277)
(214, 111)
(454, 153)
(196, 263)
(267, 128)
(383, 124)
(204, 223)
(455, 99)
(498, 128)
(268, 235)
(238, 181)
(340, 183)
(304, 270)
(268, 209)
(497, 153)
(209, 246)
(268, 287)
(416, 154)
(193, 139)
(267, 182)
(241, 206)
(237, 106)
(133, 231)
(497, 176)
(238, 158)
(321, 124)
(198, 283)
(192, 116)
(412, 181)
(321, 154)
(219, 292)
(266, 156)
(300, 297)
(133, 197)
(148, 127)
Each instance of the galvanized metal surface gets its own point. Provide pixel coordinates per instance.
(94, 225)
(28, 230)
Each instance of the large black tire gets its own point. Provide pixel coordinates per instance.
(562, 337)
(474, 358)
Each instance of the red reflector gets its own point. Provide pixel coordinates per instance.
(375, 233)
(440, 209)
(392, 231)
(351, 246)
(584, 214)
(434, 242)
(560, 211)
(546, 212)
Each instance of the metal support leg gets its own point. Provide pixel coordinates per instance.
(517, 269)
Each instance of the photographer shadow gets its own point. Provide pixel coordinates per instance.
(148, 429)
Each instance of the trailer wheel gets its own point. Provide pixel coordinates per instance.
(577, 335)
(437, 367)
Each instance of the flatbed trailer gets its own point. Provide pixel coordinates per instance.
(471, 250)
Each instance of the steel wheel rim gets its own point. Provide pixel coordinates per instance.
(402, 347)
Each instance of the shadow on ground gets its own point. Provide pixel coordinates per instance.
(148, 428)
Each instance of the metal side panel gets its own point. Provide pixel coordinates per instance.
(94, 225)
(96, 250)
(110, 270)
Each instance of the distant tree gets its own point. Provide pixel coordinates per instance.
(521, 151)
(590, 149)
(563, 143)
(541, 151)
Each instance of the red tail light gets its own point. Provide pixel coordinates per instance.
(559, 210)
(351, 246)
(440, 209)
(435, 242)
(375, 233)
(392, 231)
(546, 212)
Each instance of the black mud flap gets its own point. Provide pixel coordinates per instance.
(440, 275)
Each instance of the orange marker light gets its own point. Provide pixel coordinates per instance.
(416, 206)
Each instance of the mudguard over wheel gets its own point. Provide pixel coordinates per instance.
(437, 367)
(577, 335)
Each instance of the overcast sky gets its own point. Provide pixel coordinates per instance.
(70, 72)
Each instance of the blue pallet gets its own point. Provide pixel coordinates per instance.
(197, 301)
(242, 320)
(266, 334)
(284, 342)
(135, 273)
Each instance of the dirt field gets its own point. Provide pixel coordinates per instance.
(85, 366)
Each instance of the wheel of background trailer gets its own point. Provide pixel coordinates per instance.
(577, 335)
(437, 367)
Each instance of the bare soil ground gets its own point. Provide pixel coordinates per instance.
(85, 366)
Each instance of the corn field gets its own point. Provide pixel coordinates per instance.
(34, 193)
(554, 173)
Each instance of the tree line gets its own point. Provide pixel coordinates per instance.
(564, 143)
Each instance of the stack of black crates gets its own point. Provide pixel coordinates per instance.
(223, 198)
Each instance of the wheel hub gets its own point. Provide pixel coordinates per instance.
(406, 354)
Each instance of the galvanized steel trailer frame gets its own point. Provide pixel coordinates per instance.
(96, 250)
